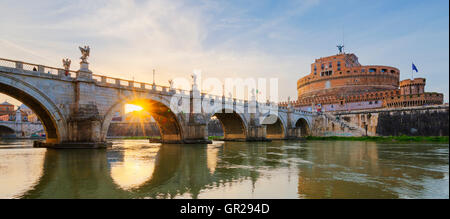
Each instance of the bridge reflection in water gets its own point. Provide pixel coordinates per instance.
(278, 169)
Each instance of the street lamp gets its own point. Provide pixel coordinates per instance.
(153, 77)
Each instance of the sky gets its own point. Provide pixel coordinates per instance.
(229, 38)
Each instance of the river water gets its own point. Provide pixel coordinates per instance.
(278, 169)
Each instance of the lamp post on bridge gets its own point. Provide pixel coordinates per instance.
(154, 85)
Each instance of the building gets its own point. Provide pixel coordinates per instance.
(8, 113)
(28, 114)
(6, 108)
(340, 82)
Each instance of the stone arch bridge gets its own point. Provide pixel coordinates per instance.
(76, 107)
(20, 129)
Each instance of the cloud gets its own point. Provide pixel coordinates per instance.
(130, 38)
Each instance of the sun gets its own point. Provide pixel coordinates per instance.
(132, 108)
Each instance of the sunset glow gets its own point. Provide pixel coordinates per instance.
(131, 108)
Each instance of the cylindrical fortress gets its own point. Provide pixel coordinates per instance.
(340, 83)
(342, 75)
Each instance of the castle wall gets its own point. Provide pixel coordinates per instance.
(349, 83)
(411, 121)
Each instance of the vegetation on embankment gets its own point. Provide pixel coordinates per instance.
(215, 137)
(403, 138)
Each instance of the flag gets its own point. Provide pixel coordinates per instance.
(414, 68)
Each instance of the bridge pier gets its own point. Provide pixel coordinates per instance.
(84, 128)
(257, 133)
(196, 134)
(294, 133)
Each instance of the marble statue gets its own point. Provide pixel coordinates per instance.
(84, 53)
(66, 63)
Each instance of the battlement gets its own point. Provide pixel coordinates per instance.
(415, 81)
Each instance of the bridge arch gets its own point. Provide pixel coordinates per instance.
(302, 127)
(233, 123)
(275, 127)
(47, 111)
(169, 123)
(6, 130)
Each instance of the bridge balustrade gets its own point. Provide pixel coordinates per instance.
(118, 82)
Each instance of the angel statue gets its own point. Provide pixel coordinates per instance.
(341, 48)
(253, 92)
(84, 53)
(194, 78)
(171, 84)
(66, 63)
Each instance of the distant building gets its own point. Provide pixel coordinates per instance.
(6, 108)
(8, 113)
(28, 114)
(340, 82)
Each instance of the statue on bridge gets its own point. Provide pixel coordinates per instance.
(194, 78)
(170, 84)
(84, 53)
(66, 64)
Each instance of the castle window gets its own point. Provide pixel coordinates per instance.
(392, 71)
(322, 66)
(376, 102)
(330, 65)
(363, 70)
(321, 74)
(339, 68)
(383, 70)
(372, 70)
(370, 102)
(338, 63)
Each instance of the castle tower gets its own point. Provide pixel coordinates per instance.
(415, 86)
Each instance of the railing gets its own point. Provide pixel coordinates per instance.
(36, 68)
(118, 82)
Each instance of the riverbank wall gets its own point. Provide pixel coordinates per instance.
(409, 121)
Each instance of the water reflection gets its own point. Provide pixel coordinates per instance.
(133, 163)
(373, 170)
(20, 170)
(278, 169)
